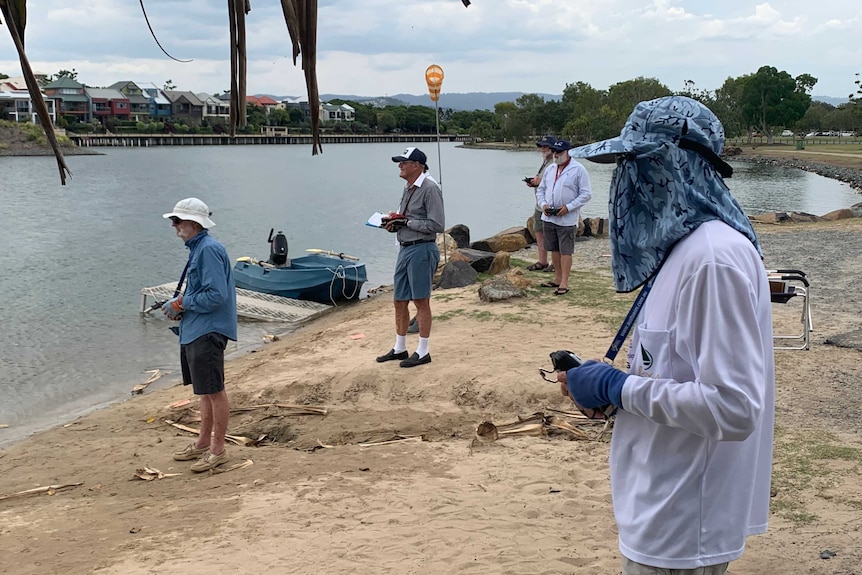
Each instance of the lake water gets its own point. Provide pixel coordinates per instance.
(75, 258)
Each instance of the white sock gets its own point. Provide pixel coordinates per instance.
(400, 343)
(422, 350)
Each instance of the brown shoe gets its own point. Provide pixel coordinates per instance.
(209, 461)
(189, 452)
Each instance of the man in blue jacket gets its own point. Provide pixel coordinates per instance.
(206, 311)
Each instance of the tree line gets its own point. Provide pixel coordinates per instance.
(767, 102)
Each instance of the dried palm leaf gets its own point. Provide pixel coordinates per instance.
(49, 489)
(14, 12)
(150, 473)
(235, 439)
(395, 439)
(293, 409)
(234, 467)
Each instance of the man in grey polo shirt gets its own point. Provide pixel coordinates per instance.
(418, 221)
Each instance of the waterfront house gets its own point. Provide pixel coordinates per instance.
(139, 103)
(160, 106)
(72, 100)
(265, 102)
(16, 106)
(185, 107)
(106, 103)
(336, 113)
(216, 111)
(300, 104)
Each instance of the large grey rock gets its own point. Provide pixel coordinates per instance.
(457, 274)
(499, 288)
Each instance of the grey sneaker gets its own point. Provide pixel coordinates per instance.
(209, 461)
(413, 327)
(189, 452)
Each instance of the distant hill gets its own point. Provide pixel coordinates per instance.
(469, 100)
(465, 101)
(832, 100)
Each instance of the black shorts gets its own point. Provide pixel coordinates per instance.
(202, 362)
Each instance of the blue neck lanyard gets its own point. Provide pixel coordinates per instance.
(626, 327)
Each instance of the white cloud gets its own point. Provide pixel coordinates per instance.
(376, 47)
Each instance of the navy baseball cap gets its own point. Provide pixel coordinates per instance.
(411, 155)
(560, 146)
(546, 142)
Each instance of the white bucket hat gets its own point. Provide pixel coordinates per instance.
(192, 209)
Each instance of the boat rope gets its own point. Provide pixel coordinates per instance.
(339, 273)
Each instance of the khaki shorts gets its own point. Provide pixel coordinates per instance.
(632, 568)
(538, 224)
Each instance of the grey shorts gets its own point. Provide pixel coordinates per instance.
(414, 271)
(632, 568)
(538, 224)
(202, 362)
(560, 238)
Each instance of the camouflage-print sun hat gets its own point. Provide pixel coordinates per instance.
(668, 181)
(664, 120)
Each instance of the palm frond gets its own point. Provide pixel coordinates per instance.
(15, 14)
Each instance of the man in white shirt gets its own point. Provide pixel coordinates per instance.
(563, 191)
(691, 453)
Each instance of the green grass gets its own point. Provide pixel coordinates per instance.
(801, 463)
(587, 289)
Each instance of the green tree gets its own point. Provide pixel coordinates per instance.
(71, 74)
(296, 116)
(506, 114)
(855, 98)
(773, 99)
(256, 116)
(588, 118)
(728, 106)
(278, 117)
(624, 96)
(420, 120)
(705, 97)
(3, 76)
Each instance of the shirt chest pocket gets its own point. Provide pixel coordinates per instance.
(650, 354)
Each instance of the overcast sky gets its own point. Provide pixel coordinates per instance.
(380, 47)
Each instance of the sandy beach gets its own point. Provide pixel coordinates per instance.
(392, 479)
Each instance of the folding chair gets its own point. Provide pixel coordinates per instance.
(784, 285)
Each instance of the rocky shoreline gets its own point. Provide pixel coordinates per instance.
(851, 176)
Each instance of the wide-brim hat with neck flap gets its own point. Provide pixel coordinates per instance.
(192, 209)
(676, 120)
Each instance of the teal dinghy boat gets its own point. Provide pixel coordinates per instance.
(324, 277)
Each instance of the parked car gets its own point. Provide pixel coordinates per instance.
(786, 133)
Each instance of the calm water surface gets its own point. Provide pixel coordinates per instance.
(75, 258)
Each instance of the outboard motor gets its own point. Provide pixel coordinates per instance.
(277, 249)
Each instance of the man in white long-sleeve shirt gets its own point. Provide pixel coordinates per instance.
(691, 452)
(563, 191)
